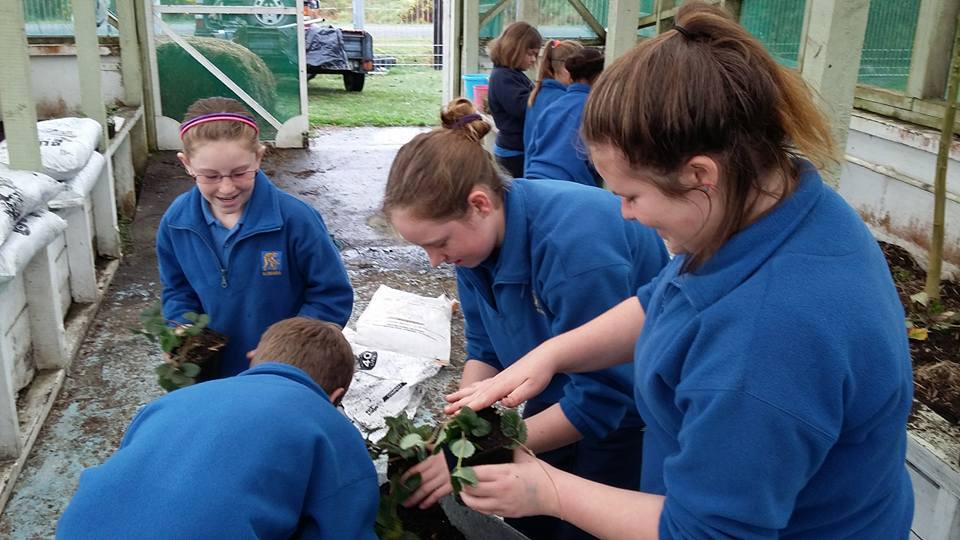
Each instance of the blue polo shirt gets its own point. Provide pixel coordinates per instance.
(223, 238)
(775, 382)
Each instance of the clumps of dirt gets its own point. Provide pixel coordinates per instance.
(935, 352)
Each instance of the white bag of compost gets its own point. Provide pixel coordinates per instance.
(65, 145)
(22, 192)
(80, 185)
(407, 323)
(30, 235)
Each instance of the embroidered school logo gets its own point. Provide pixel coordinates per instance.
(270, 263)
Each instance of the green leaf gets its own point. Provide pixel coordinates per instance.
(202, 321)
(441, 438)
(411, 440)
(191, 316)
(193, 330)
(190, 369)
(164, 370)
(169, 342)
(512, 426)
(465, 474)
(167, 384)
(462, 448)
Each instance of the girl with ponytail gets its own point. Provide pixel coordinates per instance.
(524, 275)
(552, 81)
(771, 364)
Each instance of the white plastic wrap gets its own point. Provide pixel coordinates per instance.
(65, 145)
(22, 192)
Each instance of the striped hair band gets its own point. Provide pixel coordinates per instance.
(217, 117)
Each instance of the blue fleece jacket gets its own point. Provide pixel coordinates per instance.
(567, 256)
(262, 455)
(775, 382)
(550, 91)
(282, 264)
(558, 152)
(507, 98)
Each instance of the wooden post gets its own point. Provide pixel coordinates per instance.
(621, 28)
(9, 424)
(130, 70)
(105, 214)
(143, 13)
(831, 62)
(935, 264)
(529, 11)
(88, 62)
(18, 109)
(83, 272)
(929, 65)
(470, 52)
(46, 312)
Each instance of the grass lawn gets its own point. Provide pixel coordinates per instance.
(402, 97)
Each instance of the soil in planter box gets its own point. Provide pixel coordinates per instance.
(429, 524)
(936, 360)
(204, 350)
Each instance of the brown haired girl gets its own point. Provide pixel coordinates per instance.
(237, 248)
(772, 366)
(512, 53)
(552, 81)
(524, 274)
(556, 151)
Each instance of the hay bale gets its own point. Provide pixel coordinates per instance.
(183, 80)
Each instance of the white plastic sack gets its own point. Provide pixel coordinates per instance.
(65, 145)
(22, 192)
(385, 384)
(407, 323)
(30, 235)
(80, 185)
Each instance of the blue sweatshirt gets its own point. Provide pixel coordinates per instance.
(507, 98)
(567, 256)
(262, 455)
(775, 382)
(282, 264)
(550, 91)
(558, 152)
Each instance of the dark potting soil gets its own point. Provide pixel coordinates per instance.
(491, 449)
(429, 524)
(204, 350)
(936, 359)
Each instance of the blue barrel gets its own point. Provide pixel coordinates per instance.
(472, 79)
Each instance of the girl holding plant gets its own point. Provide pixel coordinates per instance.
(533, 259)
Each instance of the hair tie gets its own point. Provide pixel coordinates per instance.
(691, 36)
(555, 43)
(218, 117)
(464, 120)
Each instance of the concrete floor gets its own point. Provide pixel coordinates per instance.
(342, 175)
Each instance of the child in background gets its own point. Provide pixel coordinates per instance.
(237, 248)
(533, 259)
(552, 81)
(557, 151)
(771, 363)
(514, 52)
(264, 454)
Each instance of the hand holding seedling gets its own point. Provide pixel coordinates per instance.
(523, 488)
(521, 381)
(434, 482)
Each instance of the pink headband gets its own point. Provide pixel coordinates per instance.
(217, 117)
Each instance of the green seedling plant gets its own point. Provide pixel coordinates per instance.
(403, 443)
(408, 444)
(460, 435)
(176, 372)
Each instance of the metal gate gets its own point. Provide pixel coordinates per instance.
(249, 50)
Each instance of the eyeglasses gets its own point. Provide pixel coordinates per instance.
(237, 178)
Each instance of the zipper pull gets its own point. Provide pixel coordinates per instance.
(223, 278)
